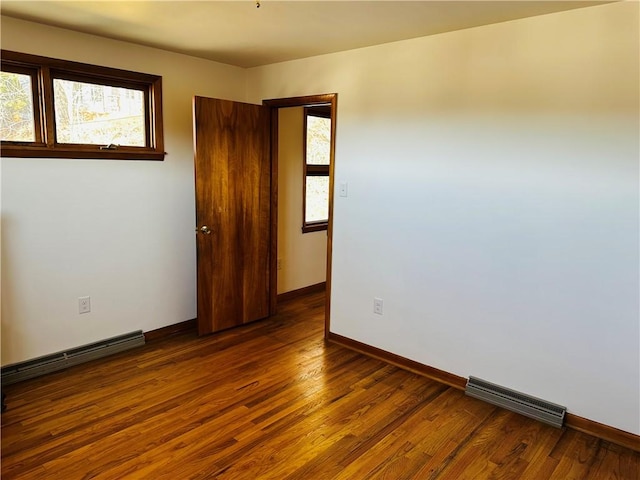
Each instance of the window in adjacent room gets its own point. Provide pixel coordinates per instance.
(55, 108)
(317, 158)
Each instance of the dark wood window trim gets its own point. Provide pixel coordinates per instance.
(44, 70)
(312, 170)
(35, 89)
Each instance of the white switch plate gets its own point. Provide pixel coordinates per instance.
(343, 189)
(84, 304)
(377, 306)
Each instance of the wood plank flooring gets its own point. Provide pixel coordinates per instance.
(271, 400)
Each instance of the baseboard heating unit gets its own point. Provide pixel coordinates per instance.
(532, 407)
(61, 360)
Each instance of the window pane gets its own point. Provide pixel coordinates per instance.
(16, 108)
(318, 140)
(317, 201)
(98, 114)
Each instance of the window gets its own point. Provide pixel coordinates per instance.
(317, 158)
(18, 115)
(55, 108)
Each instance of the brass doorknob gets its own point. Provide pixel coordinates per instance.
(206, 230)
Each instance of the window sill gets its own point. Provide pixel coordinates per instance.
(314, 227)
(27, 151)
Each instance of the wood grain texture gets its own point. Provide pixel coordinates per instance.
(273, 400)
(233, 198)
(605, 432)
(332, 188)
(402, 362)
(575, 422)
(273, 259)
(158, 333)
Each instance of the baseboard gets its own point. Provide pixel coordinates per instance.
(426, 371)
(584, 425)
(318, 287)
(163, 332)
(605, 432)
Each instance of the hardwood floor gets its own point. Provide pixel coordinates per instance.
(271, 400)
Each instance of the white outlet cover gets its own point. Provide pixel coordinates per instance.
(84, 304)
(377, 306)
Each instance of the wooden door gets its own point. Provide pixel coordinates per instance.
(233, 197)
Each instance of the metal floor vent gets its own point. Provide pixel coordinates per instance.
(61, 360)
(532, 407)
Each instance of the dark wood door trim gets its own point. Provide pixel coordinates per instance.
(273, 238)
(304, 101)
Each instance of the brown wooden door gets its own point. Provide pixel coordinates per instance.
(233, 197)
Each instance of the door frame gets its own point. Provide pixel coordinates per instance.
(274, 106)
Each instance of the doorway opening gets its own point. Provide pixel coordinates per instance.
(295, 231)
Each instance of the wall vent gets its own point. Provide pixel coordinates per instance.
(18, 372)
(532, 407)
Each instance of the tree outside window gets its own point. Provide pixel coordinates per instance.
(55, 108)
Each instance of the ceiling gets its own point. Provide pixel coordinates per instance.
(238, 33)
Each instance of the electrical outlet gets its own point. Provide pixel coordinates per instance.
(279, 264)
(343, 189)
(84, 304)
(377, 306)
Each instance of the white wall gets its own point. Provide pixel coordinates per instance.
(119, 231)
(303, 255)
(493, 202)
